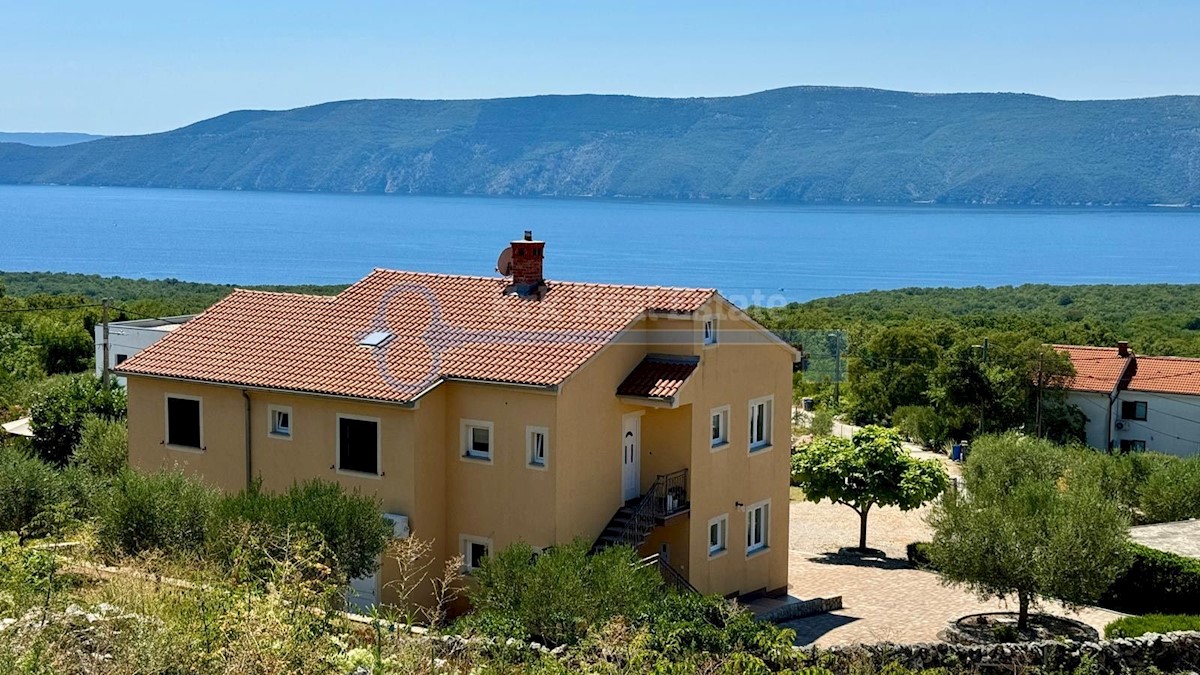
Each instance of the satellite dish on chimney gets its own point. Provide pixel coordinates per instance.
(504, 262)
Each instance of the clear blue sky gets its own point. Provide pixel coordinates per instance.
(135, 67)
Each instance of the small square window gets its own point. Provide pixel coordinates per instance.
(122, 358)
(717, 531)
(710, 331)
(720, 426)
(536, 439)
(474, 550)
(279, 419)
(1129, 445)
(477, 440)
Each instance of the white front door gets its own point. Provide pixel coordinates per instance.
(631, 457)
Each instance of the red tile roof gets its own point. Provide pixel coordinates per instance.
(658, 377)
(1166, 375)
(443, 326)
(1097, 369)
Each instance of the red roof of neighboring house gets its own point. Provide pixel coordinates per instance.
(658, 377)
(1097, 369)
(1166, 375)
(436, 327)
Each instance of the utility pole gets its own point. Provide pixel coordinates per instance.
(837, 366)
(1039, 396)
(984, 350)
(104, 341)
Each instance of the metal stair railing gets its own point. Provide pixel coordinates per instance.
(670, 575)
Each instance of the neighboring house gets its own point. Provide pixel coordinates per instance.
(1136, 402)
(482, 411)
(126, 338)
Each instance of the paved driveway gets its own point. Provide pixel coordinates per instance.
(885, 600)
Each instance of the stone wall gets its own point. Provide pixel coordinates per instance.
(1170, 653)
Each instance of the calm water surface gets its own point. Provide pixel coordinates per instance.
(780, 252)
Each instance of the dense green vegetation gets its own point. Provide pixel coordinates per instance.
(1133, 626)
(914, 357)
(817, 144)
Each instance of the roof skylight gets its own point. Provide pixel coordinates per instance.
(375, 339)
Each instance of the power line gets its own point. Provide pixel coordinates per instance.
(47, 309)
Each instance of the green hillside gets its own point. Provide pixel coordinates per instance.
(812, 144)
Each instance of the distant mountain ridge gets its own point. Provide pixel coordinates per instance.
(46, 138)
(809, 144)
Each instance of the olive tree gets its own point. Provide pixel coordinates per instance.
(1029, 523)
(871, 469)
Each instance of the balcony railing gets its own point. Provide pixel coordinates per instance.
(671, 494)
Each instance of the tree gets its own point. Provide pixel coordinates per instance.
(892, 370)
(59, 412)
(1029, 523)
(870, 470)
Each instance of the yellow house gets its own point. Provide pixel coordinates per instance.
(486, 410)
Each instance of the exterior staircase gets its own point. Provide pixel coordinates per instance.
(633, 522)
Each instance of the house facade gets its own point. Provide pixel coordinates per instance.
(482, 411)
(1136, 402)
(127, 338)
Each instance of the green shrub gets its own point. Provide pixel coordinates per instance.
(1155, 583)
(1172, 492)
(58, 414)
(166, 511)
(1122, 477)
(1133, 626)
(33, 501)
(350, 524)
(103, 447)
(822, 422)
(918, 554)
(921, 425)
(685, 623)
(556, 597)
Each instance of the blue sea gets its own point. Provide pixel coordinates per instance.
(761, 253)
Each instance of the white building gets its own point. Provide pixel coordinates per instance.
(127, 338)
(1136, 402)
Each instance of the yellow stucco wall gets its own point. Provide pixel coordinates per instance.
(446, 496)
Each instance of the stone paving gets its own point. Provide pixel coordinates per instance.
(884, 600)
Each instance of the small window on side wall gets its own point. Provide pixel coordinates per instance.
(757, 521)
(710, 331)
(183, 423)
(279, 421)
(536, 441)
(718, 530)
(474, 550)
(720, 426)
(477, 440)
(358, 444)
(1133, 410)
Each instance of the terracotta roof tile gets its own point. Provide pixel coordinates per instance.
(658, 377)
(1097, 369)
(1166, 375)
(443, 326)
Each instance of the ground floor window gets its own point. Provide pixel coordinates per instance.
(183, 422)
(717, 530)
(474, 550)
(1128, 445)
(757, 521)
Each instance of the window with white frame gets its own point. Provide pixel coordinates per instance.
(474, 550)
(477, 439)
(710, 331)
(720, 426)
(279, 420)
(760, 422)
(757, 521)
(183, 422)
(536, 440)
(718, 529)
(358, 444)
